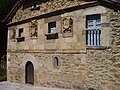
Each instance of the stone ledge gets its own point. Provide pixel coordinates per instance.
(34, 37)
(51, 36)
(20, 39)
(96, 47)
(47, 52)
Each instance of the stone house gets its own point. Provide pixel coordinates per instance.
(71, 44)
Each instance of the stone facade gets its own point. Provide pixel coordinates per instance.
(78, 66)
(69, 74)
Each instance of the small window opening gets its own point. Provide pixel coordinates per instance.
(52, 33)
(52, 27)
(34, 5)
(21, 34)
(56, 62)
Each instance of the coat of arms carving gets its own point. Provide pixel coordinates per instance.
(12, 33)
(33, 28)
(67, 26)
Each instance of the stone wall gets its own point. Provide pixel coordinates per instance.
(69, 74)
(80, 67)
(14, 66)
(76, 42)
(103, 69)
(46, 7)
(103, 66)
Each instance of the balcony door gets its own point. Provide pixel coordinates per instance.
(93, 32)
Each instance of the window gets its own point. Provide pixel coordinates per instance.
(52, 34)
(56, 62)
(52, 27)
(34, 5)
(20, 35)
(93, 30)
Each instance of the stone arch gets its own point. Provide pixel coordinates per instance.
(29, 73)
(32, 59)
(55, 62)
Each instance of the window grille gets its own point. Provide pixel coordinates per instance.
(93, 30)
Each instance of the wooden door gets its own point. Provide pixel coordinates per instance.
(29, 75)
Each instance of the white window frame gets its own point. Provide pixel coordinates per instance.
(93, 30)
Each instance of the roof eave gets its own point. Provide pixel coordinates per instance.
(12, 12)
(115, 5)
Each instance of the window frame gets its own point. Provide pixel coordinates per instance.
(20, 37)
(52, 25)
(56, 62)
(93, 31)
(52, 35)
(20, 33)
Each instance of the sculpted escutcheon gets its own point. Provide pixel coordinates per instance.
(12, 33)
(67, 26)
(33, 28)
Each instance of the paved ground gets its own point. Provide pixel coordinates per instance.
(12, 86)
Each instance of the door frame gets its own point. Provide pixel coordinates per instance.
(31, 79)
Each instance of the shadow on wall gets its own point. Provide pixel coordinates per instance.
(3, 62)
(3, 45)
(3, 70)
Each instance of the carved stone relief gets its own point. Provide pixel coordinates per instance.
(67, 26)
(33, 28)
(12, 34)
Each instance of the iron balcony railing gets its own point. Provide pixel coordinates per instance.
(93, 37)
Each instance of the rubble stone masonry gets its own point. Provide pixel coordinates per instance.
(79, 66)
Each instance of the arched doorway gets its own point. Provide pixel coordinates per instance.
(29, 73)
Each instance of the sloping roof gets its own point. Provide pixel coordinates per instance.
(115, 0)
(114, 4)
(12, 12)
